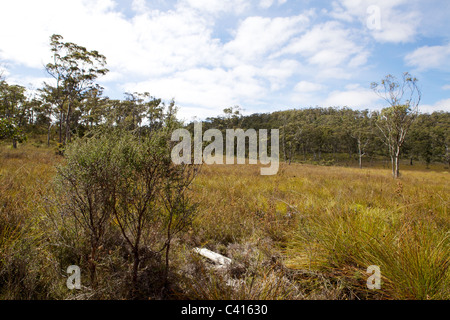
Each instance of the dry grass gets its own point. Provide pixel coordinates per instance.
(315, 230)
(26, 272)
(338, 221)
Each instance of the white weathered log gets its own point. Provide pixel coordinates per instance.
(213, 256)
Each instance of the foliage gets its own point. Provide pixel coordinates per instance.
(395, 121)
(8, 130)
(342, 135)
(117, 180)
(74, 70)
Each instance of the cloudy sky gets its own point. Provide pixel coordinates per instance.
(263, 55)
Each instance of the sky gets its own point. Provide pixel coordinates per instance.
(261, 55)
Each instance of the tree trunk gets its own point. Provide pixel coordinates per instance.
(360, 154)
(447, 154)
(290, 155)
(92, 265)
(393, 165)
(67, 137)
(60, 126)
(136, 261)
(396, 167)
(48, 134)
(166, 271)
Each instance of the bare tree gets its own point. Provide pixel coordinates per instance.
(394, 121)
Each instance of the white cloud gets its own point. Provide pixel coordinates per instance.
(278, 72)
(306, 86)
(359, 59)
(25, 40)
(214, 89)
(257, 36)
(152, 43)
(446, 87)
(139, 5)
(30, 82)
(426, 58)
(400, 20)
(217, 6)
(334, 73)
(339, 13)
(328, 45)
(443, 105)
(355, 97)
(266, 4)
(305, 93)
(3, 72)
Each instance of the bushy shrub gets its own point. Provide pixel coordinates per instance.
(118, 182)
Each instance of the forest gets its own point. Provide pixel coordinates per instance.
(88, 181)
(324, 135)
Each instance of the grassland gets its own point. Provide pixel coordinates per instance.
(310, 232)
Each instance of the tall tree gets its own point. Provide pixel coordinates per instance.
(75, 70)
(361, 132)
(14, 111)
(394, 121)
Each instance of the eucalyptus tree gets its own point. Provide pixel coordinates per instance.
(74, 69)
(93, 108)
(361, 132)
(403, 97)
(9, 130)
(14, 111)
(441, 133)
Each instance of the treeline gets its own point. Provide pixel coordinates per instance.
(329, 135)
(73, 103)
(21, 114)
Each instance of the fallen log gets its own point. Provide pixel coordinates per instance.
(213, 256)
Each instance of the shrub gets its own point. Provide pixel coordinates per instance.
(116, 181)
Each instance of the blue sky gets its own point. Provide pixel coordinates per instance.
(263, 55)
